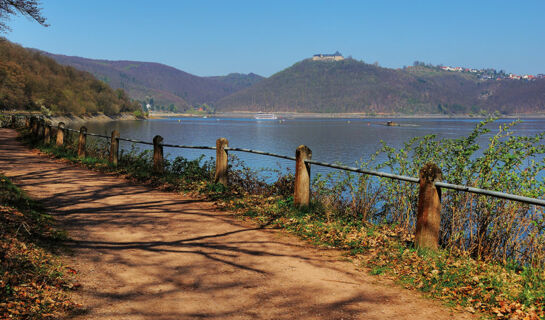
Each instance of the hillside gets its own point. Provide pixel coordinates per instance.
(165, 84)
(29, 80)
(354, 86)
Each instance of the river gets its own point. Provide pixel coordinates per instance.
(331, 140)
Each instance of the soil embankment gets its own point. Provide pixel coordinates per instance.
(146, 254)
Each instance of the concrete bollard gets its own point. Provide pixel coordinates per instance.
(158, 154)
(428, 219)
(114, 148)
(221, 161)
(60, 134)
(47, 133)
(301, 194)
(82, 142)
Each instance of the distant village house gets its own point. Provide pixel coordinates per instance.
(337, 56)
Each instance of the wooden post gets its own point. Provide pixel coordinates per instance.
(41, 128)
(114, 147)
(158, 154)
(428, 219)
(34, 126)
(13, 121)
(27, 122)
(47, 133)
(82, 142)
(301, 194)
(221, 161)
(60, 134)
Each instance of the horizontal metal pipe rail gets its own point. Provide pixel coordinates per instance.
(496, 194)
(135, 141)
(88, 133)
(187, 147)
(369, 172)
(261, 152)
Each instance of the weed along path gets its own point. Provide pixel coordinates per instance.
(146, 254)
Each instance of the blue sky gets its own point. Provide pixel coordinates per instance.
(218, 37)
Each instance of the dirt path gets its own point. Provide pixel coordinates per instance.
(146, 254)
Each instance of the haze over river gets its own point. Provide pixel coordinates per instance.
(331, 140)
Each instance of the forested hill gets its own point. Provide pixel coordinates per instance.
(29, 80)
(166, 85)
(354, 86)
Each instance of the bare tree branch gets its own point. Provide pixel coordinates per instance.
(29, 8)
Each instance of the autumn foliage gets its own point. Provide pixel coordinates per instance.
(33, 282)
(30, 81)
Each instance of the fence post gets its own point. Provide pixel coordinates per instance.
(38, 129)
(41, 128)
(47, 133)
(34, 126)
(27, 122)
(221, 161)
(428, 219)
(301, 194)
(158, 154)
(82, 141)
(13, 121)
(114, 147)
(60, 134)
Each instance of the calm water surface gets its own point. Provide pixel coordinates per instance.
(331, 140)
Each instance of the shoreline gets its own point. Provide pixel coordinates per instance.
(312, 115)
(72, 119)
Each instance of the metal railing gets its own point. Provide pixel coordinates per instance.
(445, 185)
(428, 205)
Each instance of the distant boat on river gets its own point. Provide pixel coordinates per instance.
(265, 116)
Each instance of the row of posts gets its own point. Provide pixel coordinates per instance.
(429, 197)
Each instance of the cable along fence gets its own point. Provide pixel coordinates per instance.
(429, 199)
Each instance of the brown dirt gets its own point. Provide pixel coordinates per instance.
(147, 254)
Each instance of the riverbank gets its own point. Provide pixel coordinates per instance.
(307, 115)
(450, 275)
(146, 254)
(73, 119)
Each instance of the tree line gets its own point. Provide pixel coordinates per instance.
(31, 81)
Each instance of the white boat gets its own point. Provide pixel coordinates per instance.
(265, 116)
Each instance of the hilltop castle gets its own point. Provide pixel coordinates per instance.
(337, 56)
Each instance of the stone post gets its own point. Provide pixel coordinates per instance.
(428, 219)
(221, 161)
(60, 134)
(82, 142)
(301, 194)
(114, 148)
(47, 133)
(158, 154)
